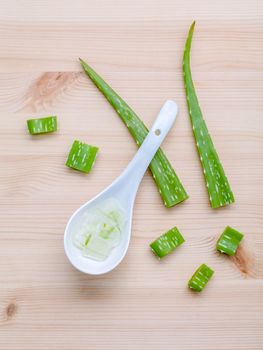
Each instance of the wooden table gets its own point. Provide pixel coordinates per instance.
(137, 46)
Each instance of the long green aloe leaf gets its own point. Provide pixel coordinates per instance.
(218, 187)
(170, 187)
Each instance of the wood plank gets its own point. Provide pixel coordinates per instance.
(169, 316)
(137, 47)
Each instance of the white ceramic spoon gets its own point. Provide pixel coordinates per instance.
(124, 189)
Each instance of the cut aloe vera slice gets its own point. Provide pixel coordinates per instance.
(229, 241)
(42, 125)
(112, 210)
(166, 243)
(100, 229)
(82, 156)
(97, 248)
(200, 278)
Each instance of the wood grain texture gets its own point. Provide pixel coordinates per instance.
(137, 46)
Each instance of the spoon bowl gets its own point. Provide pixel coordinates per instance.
(88, 265)
(124, 190)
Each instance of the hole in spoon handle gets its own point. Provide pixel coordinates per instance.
(165, 119)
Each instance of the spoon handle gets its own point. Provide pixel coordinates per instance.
(160, 128)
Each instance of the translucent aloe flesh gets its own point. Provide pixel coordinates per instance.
(100, 229)
(200, 278)
(170, 187)
(166, 243)
(218, 187)
(82, 156)
(42, 125)
(229, 241)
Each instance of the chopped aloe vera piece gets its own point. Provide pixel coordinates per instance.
(166, 243)
(42, 125)
(168, 183)
(113, 211)
(97, 248)
(218, 187)
(81, 239)
(111, 234)
(82, 156)
(107, 230)
(229, 241)
(200, 278)
(100, 229)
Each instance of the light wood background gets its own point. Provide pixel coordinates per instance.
(137, 46)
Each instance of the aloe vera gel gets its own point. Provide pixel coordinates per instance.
(100, 230)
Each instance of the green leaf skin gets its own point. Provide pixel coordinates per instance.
(229, 241)
(82, 156)
(200, 278)
(170, 187)
(218, 187)
(42, 125)
(166, 243)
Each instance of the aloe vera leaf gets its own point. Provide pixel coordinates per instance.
(168, 183)
(218, 187)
